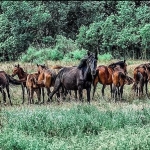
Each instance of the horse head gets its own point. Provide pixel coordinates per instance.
(16, 70)
(92, 62)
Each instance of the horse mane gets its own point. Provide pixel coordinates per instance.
(120, 63)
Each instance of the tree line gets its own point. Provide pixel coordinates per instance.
(121, 28)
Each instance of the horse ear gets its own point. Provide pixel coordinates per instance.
(37, 65)
(124, 60)
(88, 53)
(96, 55)
(18, 66)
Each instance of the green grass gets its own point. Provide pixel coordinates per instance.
(79, 126)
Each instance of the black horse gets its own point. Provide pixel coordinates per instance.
(77, 78)
(5, 79)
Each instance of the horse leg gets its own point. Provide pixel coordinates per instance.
(111, 91)
(7, 89)
(114, 92)
(94, 89)
(103, 87)
(80, 92)
(75, 91)
(43, 93)
(31, 96)
(146, 89)
(4, 95)
(23, 91)
(38, 93)
(56, 88)
(48, 92)
(88, 90)
(121, 92)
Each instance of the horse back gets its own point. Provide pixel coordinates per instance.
(104, 75)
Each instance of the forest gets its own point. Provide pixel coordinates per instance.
(33, 30)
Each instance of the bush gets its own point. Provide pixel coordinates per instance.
(105, 57)
(75, 55)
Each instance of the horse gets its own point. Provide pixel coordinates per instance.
(33, 87)
(141, 77)
(70, 77)
(5, 79)
(22, 75)
(104, 75)
(47, 77)
(119, 79)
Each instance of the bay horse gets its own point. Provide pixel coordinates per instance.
(22, 75)
(5, 79)
(141, 77)
(47, 77)
(104, 75)
(70, 79)
(33, 87)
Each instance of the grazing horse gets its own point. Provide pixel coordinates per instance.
(119, 79)
(70, 77)
(5, 79)
(104, 75)
(47, 77)
(141, 77)
(33, 87)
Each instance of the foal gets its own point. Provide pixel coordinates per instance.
(33, 87)
(118, 82)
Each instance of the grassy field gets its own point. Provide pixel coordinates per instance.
(75, 125)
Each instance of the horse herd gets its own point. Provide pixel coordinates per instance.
(76, 78)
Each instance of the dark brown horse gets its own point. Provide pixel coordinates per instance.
(5, 79)
(141, 77)
(104, 75)
(70, 77)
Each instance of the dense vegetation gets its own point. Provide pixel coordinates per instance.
(112, 27)
(78, 127)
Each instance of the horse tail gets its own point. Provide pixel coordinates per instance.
(12, 80)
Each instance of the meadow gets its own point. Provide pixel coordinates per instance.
(75, 125)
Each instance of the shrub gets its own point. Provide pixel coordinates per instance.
(105, 57)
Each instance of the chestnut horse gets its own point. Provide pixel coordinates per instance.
(5, 79)
(104, 75)
(70, 77)
(141, 77)
(47, 77)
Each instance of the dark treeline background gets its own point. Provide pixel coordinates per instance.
(121, 28)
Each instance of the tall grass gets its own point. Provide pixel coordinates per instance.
(59, 128)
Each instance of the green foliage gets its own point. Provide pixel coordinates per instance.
(105, 57)
(74, 55)
(115, 27)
